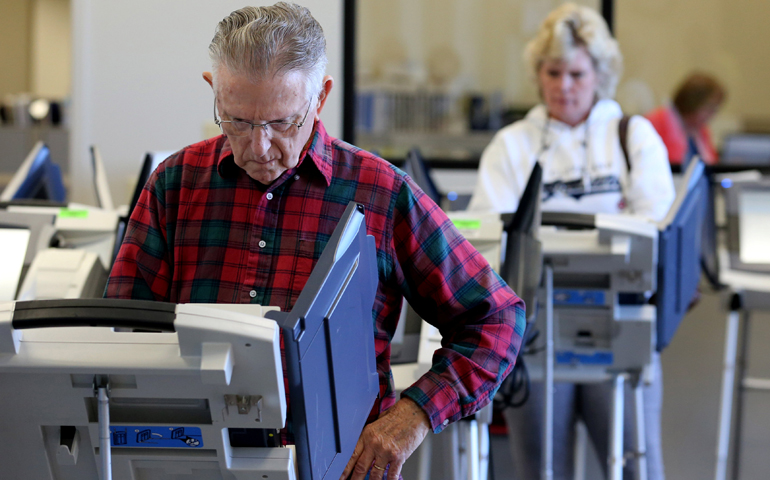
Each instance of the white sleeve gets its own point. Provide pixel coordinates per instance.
(650, 189)
(498, 187)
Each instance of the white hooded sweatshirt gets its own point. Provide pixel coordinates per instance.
(584, 169)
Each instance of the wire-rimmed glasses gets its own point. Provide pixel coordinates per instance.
(242, 128)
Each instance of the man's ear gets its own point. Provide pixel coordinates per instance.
(209, 77)
(328, 83)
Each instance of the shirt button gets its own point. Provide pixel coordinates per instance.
(269, 196)
(262, 244)
(445, 423)
(253, 293)
(296, 177)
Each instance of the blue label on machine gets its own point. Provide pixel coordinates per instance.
(156, 437)
(565, 296)
(594, 358)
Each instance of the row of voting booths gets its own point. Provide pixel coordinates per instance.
(111, 389)
(602, 291)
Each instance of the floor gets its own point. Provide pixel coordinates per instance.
(692, 366)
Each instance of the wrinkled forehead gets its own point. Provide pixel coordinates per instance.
(267, 99)
(227, 81)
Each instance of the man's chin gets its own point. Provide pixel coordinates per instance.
(266, 177)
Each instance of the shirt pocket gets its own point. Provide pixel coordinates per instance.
(297, 258)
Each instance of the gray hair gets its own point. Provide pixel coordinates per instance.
(570, 27)
(262, 41)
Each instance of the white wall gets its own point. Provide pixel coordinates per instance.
(137, 83)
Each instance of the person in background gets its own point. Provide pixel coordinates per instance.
(683, 125)
(575, 136)
(243, 218)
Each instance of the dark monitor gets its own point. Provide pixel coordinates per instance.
(522, 262)
(709, 239)
(679, 252)
(415, 167)
(526, 218)
(747, 205)
(38, 178)
(200, 399)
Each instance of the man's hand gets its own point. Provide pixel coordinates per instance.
(388, 441)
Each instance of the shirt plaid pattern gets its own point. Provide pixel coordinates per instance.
(205, 232)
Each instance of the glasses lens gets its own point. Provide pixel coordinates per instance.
(237, 128)
(282, 129)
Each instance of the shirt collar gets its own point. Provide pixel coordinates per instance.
(319, 150)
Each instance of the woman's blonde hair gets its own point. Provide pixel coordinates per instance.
(568, 28)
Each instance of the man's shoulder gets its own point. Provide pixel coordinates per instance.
(205, 153)
(197, 161)
(350, 160)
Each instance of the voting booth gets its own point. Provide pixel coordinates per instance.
(98, 389)
(745, 270)
(599, 321)
(54, 249)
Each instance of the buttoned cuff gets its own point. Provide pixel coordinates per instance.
(437, 398)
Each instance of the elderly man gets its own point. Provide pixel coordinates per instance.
(243, 217)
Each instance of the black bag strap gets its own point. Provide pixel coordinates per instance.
(623, 135)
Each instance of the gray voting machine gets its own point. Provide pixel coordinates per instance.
(100, 389)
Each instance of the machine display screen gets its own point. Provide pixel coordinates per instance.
(754, 226)
(14, 242)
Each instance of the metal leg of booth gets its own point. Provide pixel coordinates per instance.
(640, 446)
(581, 450)
(726, 401)
(483, 451)
(615, 454)
(546, 472)
(424, 458)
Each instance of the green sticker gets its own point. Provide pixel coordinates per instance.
(467, 224)
(67, 213)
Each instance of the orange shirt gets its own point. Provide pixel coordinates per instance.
(670, 127)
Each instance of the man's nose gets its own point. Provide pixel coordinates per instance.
(565, 82)
(260, 140)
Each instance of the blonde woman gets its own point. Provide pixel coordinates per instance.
(575, 136)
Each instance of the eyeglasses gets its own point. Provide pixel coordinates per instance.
(241, 128)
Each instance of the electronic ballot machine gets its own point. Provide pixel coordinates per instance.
(744, 261)
(54, 249)
(615, 288)
(193, 391)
